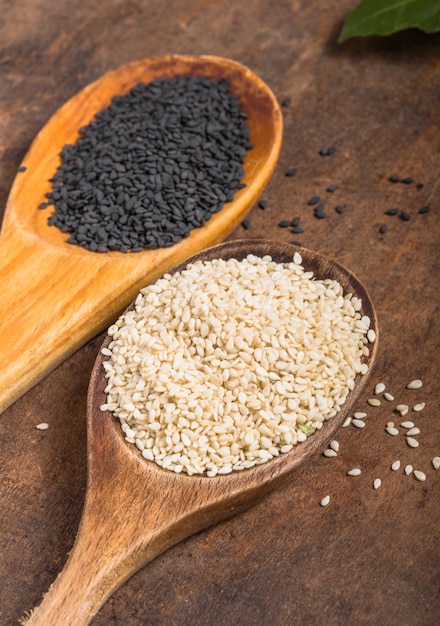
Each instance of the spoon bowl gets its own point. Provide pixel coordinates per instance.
(55, 295)
(135, 510)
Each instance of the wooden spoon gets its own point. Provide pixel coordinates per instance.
(56, 296)
(135, 510)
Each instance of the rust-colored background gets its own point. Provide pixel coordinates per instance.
(371, 557)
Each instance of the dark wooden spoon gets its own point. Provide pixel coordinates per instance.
(135, 510)
(56, 296)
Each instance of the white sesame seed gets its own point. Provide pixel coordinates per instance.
(395, 465)
(388, 396)
(373, 401)
(392, 431)
(415, 384)
(419, 475)
(358, 423)
(377, 483)
(42, 426)
(402, 409)
(334, 445)
(330, 453)
(419, 407)
(413, 443)
(347, 422)
(407, 424)
(359, 415)
(379, 388)
(325, 501)
(390, 424)
(408, 469)
(354, 472)
(436, 462)
(412, 432)
(371, 335)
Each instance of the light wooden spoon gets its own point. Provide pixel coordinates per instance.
(135, 510)
(56, 296)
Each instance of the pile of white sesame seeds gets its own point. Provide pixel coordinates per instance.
(227, 364)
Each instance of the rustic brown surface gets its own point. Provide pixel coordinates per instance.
(370, 557)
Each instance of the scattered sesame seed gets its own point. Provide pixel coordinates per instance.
(347, 422)
(295, 243)
(327, 151)
(325, 501)
(415, 384)
(246, 224)
(329, 453)
(390, 424)
(262, 204)
(297, 229)
(286, 102)
(388, 396)
(391, 430)
(408, 469)
(379, 388)
(359, 415)
(413, 443)
(371, 335)
(419, 407)
(383, 228)
(405, 216)
(373, 401)
(394, 178)
(354, 472)
(402, 409)
(377, 483)
(291, 172)
(21, 168)
(42, 426)
(424, 209)
(419, 475)
(339, 209)
(313, 200)
(334, 445)
(412, 432)
(319, 212)
(358, 423)
(332, 188)
(391, 212)
(436, 462)
(395, 466)
(284, 223)
(407, 180)
(407, 424)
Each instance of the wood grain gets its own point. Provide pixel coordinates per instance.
(63, 295)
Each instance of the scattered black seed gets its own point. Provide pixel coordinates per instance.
(295, 221)
(327, 150)
(407, 181)
(246, 224)
(21, 168)
(157, 163)
(263, 204)
(339, 209)
(383, 228)
(291, 172)
(284, 223)
(394, 178)
(314, 200)
(424, 209)
(43, 205)
(298, 229)
(391, 211)
(286, 102)
(419, 186)
(405, 216)
(332, 188)
(319, 212)
(296, 243)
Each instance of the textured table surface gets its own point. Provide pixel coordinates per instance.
(372, 556)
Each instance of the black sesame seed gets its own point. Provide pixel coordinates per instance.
(286, 102)
(314, 200)
(263, 204)
(407, 181)
(391, 212)
(332, 188)
(339, 209)
(298, 229)
(291, 172)
(246, 224)
(43, 205)
(319, 212)
(284, 223)
(295, 221)
(419, 186)
(383, 228)
(394, 178)
(295, 243)
(327, 150)
(21, 168)
(405, 216)
(424, 209)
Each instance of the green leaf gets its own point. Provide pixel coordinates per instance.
(384, 17)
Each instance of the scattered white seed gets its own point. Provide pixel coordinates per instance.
(388, 396)
(354, 472)
(379, 388)
(408, 469)
(392, 431)
(371, 335)
(390, 424)
(334, 445)
(330, 453)
(402, 409)
(359, 415)
(373, 401)
(42, 426)
(358, 423)
(325, 501)
(407, 424)
(414, 384)
(347, 422)
(413, 443)
(419, 407)
(436, 462)
(377, 483)
(412, 432)
(395, 466)
(420, 475)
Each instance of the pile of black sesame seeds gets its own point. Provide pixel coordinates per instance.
(154, 165)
